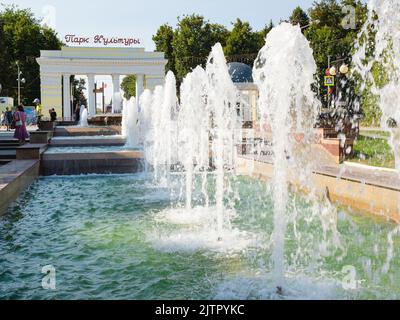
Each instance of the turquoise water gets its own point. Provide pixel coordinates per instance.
(121, 237)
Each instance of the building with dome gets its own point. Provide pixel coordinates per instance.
(242, 76)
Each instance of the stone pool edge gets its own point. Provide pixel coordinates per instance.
(15, 177)
(371, 198)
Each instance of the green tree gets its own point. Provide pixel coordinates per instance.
(163, 41)
(299, 17)
(22, 38)
(327, 36)
(78, 87)
(128, 85)
(241, 40)
(192, 42)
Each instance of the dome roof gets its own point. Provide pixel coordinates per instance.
(240, 72)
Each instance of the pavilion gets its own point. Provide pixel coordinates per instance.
(57, 66)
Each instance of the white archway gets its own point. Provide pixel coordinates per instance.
(57, 66)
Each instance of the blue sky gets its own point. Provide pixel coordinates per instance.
(142, 18)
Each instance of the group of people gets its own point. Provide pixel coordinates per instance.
(16, 120)
(39, 114)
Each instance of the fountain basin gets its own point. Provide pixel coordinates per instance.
(104, 237)
(363, 189)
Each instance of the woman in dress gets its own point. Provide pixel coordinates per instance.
(20, 125)
(8, 119)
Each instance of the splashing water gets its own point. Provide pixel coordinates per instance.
(197, 135)
(117, 98)
(377, 62)
(84, 117)
(144, 118)
(222, 100)
(132, 126)
(284, 72)
(193, 126)
(124, 121)
(161, 137)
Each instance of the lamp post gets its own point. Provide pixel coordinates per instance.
(333, 71)
(20, 80)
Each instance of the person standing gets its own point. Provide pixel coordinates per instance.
(38, 108)
(53, 115)
(8, 118)
(20, 125)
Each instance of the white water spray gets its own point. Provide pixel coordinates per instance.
(83, 117)
(222, 99)
(284, 72)
(132, 125)
(194, 127)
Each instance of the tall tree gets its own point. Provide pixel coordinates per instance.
(78, 87)
(299, 17)
(192, 42)
(128, 85)
(163, 41)
(241, 40)
(328, 38)
(22, 39)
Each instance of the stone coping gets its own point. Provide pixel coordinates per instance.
(363, 175)
(60, 142)
(29, 146)
(13, 169)
(85, 131)
(15, 177)
(30, 151)
(358, 188)
(94, 156)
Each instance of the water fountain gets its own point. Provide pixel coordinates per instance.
(163, 136)
(223, 249)
(194, 127)
(84, 117)
(289, 108)
(197, 136)
(377, 63)
(117, 100)
(132, 126)
(124, 120)
(222, 98)
(145, 113)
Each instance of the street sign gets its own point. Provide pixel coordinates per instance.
(329, 81)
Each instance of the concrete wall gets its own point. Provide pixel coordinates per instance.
(363, 197)
(86, 163)
(15, 177)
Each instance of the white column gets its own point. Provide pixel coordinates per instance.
(116, 102)
(66, 97)
(51, 92)
(139, 88)
(92, 105)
